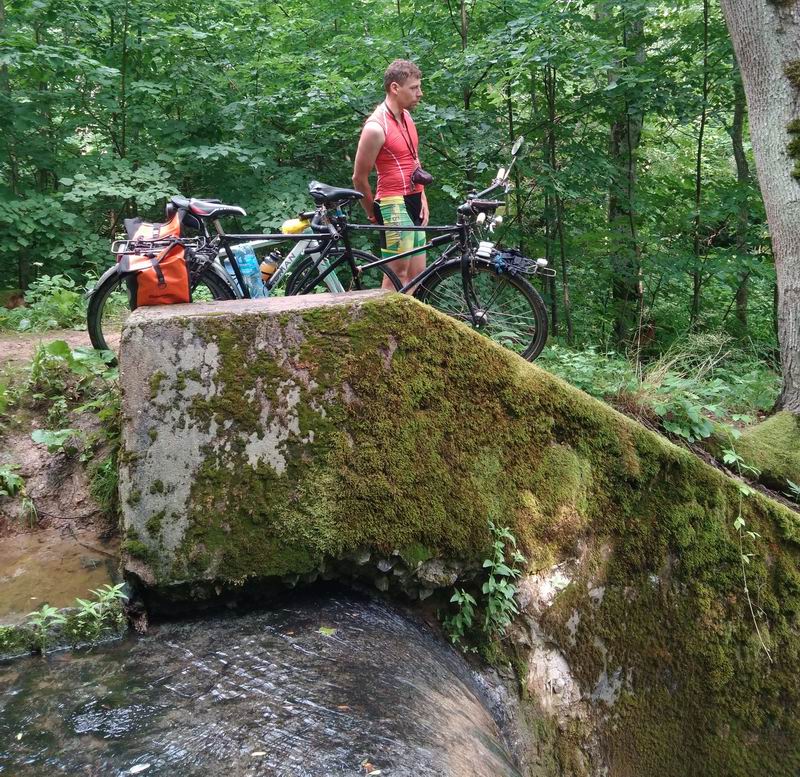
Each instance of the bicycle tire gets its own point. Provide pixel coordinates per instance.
(515, 314)
(371, 279)
(112, 301)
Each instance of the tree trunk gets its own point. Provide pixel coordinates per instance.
(697, 278)
(743, 180)
(8, 121)
(550, 228)
(766, 38)
(625, 250)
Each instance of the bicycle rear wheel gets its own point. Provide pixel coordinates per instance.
(303, 273)
(509, 310)
(112, 302)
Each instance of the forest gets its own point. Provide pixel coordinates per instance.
(637, 183)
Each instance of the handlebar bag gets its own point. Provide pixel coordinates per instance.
(159, 278)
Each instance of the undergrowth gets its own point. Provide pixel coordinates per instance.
(51, 302)
(63, 384)
(89, 622)
(702, 380)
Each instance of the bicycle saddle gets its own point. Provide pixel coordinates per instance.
(209, 209)
(323, 194)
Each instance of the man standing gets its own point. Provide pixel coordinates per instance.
(389, 143)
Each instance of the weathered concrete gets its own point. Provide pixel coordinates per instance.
(304, 438)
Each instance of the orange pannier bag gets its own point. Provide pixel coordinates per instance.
(162, 277)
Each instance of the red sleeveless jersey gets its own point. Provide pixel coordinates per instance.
(397, 158)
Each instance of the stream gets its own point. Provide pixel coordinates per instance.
(328, 684)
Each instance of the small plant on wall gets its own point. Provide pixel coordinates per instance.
(496, 605)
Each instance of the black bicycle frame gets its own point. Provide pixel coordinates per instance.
(340, 229)
(451, 234)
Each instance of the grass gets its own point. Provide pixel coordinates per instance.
(702, 380)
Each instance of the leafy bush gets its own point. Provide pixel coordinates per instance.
(53, 302)
(92, 620)
(600, 374)
(42, 622)
(98, 615)
(794, 491)
(58, 371)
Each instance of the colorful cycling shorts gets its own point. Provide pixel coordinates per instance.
(400, 211)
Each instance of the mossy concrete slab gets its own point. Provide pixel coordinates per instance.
(773, 447)
(265, 439)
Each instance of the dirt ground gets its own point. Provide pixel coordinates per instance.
(17, 348)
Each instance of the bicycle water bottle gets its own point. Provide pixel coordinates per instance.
(251, 273)
(268, 267)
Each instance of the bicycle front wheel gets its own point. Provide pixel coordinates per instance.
(508, 309)
(305, 278)
(113, 301)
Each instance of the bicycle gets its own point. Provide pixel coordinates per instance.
(315, 249)
(495, 296)
(474, 280)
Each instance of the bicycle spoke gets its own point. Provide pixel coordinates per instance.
(503, 308)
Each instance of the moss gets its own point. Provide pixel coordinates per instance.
(792, 71)
(408, 432)
(134, 498)
(133, 546)
(139, 549)
(774, 448)
(157, 487)
(15, 641)
(152, 434)
(415, 554)
(554, 511)
(156, 379)
(154, 523)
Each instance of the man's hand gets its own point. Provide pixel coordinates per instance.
(424, 212)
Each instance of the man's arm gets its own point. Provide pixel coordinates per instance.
(369, 144)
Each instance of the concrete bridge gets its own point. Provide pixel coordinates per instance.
(274, 442)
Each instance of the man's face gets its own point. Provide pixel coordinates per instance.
(409, 93)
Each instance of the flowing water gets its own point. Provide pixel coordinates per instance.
(336, 685)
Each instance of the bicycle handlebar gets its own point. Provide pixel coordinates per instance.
(481, 195)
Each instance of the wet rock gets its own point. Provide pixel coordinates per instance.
(438, 573)
(382, 583)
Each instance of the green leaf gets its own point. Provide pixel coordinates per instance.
(55, 440)
(59, 348)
